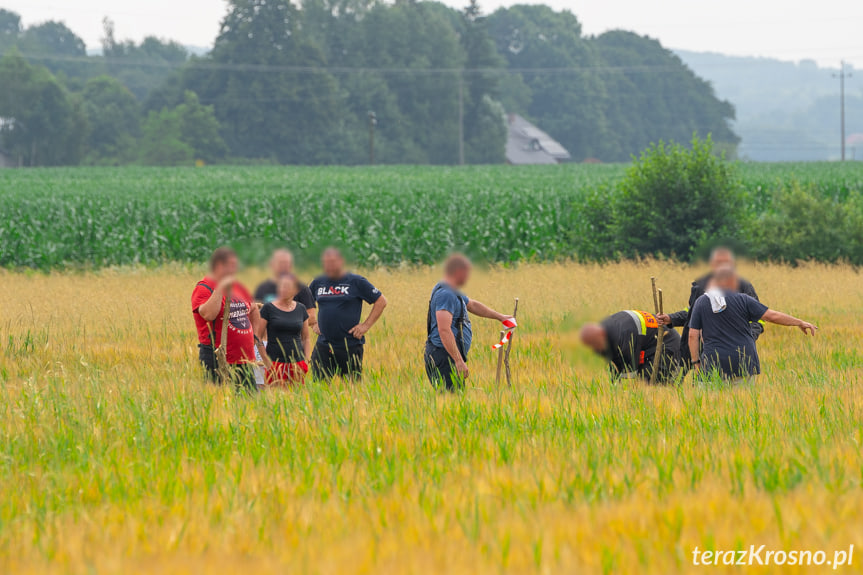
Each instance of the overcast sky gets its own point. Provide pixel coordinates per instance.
(823, 30)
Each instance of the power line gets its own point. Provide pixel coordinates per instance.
(200, 64)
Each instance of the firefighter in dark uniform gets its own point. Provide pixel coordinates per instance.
(628, 341)
(720, 258)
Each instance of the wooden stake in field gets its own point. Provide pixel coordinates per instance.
(222, 352)
(660, 331)
(503, 354)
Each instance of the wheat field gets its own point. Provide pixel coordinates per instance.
(115, 458)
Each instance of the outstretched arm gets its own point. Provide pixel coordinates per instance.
(780, 318)
(676, 319)
(482, 310)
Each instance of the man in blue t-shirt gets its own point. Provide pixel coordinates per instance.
(449, 328)
(341, 335)
(721, 318)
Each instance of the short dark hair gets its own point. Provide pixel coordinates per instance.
(332, 251)
(455, 263)
(221, 255)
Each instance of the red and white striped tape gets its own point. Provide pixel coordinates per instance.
(509, 323)
(503, 341)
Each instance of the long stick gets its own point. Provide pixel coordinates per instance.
(222, 352)
(508, 348)
(655, 299)
(660, 336)
(500, 353)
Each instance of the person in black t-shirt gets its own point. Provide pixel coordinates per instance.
(285, 322)
(720, 257)
(282, 263)
(721, 319)
(341, 334)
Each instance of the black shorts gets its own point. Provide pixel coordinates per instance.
(242, 375)
(329, 361)
(440, 368)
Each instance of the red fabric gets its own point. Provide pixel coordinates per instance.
(287, 374)
(241, 337)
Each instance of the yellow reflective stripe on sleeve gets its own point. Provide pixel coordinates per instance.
(640, 323)
(762, 322)
(643, 324)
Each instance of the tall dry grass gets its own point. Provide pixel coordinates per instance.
(115, 458)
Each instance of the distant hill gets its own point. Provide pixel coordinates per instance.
(786, 111)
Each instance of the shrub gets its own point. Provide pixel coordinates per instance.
(803, 225)
(674, 200)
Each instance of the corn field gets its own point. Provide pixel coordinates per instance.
(99, 217)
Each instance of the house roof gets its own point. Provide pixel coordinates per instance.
(526, 144)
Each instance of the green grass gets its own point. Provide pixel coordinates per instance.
(115, 457)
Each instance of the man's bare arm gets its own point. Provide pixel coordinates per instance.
(209, 310)
(359, 330)
(447, 338)
(482, 310)
(780, 318)
(694, 344)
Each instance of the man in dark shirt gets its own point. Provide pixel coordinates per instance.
(721, 320)
(719, 258)
(449, 328)
(628, 341)
(282, 264)
(341, 335)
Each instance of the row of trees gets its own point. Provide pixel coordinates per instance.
(293, 83)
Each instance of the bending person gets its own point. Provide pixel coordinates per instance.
(449, 328)
(285, 323)
(721, 319)
(628, 340)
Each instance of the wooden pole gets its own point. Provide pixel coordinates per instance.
(655, 298)
(660, 336)
(500, 353)
(508, 348)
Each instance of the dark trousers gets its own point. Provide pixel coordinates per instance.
(440, 368)
(330, 361)
(242, 374)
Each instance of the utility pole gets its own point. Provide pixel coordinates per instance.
(461, 119)
(842, 75)
(373, 121)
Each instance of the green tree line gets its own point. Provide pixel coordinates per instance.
(295, 83)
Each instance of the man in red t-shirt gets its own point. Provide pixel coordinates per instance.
(208, 305)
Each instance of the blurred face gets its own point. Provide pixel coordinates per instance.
(460, 277)
(282, 263)
(333, 265)
(721, 259)
(287, 288)
(229, 267)
(594, 337)
(726, 279)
